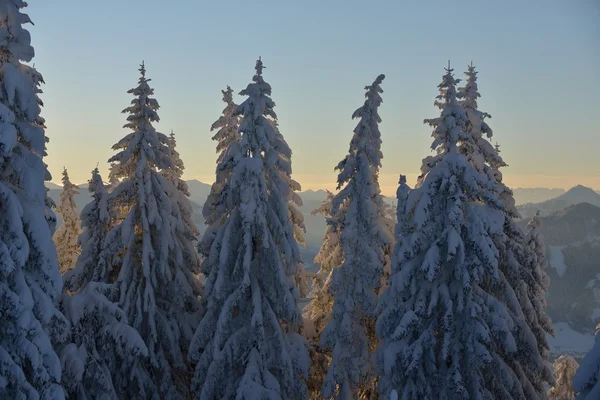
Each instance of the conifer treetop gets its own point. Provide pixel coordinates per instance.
(359, 213)
(226, 126)
(448, 126)
(250, 299)
(367, 138)
(152, 146)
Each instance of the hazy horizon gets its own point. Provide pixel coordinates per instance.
(384, 192)
(542, 104)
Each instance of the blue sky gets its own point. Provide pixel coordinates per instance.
(538, 63)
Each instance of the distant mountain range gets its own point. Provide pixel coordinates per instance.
(535, 195)
(572, 237)
(576, 195)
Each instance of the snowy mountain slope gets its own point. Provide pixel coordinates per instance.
(566, 340)
(572, 237)
(575, 195)
(535, 195)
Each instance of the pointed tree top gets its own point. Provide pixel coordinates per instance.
(143, 69)
(95, 181)
(402, 179)
(65, 178)
(449, 70)
(228, 95)
(259, 66)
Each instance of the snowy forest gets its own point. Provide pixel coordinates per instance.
(441, 296)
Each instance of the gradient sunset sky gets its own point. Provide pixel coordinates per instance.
(538, 61)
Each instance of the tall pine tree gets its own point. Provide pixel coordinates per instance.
(66, 236)
(446, 334)
(518, 260)
(358, 212)
(227, 127)
(99, 245)
(156, 278)
(30, 282)
(247, 345)
(174, 174)
(318, 311)
(538, 284)
(106, 356)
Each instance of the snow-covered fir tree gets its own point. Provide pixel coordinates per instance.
(519, 262)
(564, 370)
(66, 236)
(99, 245)
(330, 255)
(174, 174)
(586, 381)
(247, 345)
(227, 127)
(318, 310)
(538, 284)
(30, 282)
(294, 213)
(158, 289)
(446, 334)
(365, 239)
(113, 180)
(106, 354)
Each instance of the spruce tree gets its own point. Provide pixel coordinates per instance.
(66, 236)
(158, 289)
(106, 356)
(565, 367)
(358, 212)
(30, 284)
(538, 284)
(518, 261)
(174, 174)
(227, 127)
(247, 344)
(586, 381)
(318, 311)
(294, 203)
(446, 334)
(99, 244)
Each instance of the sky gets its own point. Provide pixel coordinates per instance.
(538, 62)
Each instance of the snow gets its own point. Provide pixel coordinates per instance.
(557, 260)
(66, 236)
(157, 280)
(356, 246)
(247, 343)
(568, 341)
(587, 377)
(564, 369)
(32, 326)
